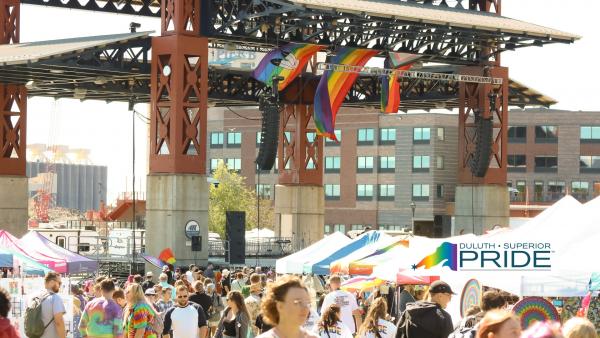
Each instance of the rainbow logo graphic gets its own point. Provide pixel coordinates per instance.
(446, 253)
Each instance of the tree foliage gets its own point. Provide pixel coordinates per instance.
(232, 194)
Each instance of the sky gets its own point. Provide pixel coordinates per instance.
(566, 73)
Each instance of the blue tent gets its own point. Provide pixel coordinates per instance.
(322, 267)
(6, 260)
(28, 266)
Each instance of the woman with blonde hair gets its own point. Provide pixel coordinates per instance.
(286, 306)
(578, 327)
(499, 324)
(139, 314)
(235, 321)
(375, 324)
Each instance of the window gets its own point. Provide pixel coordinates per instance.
(387, 164)
(364, 164)
(420, 192)
(216, 140)
(214, 163)
(390, 227)
(387, 136)
(264, 191)
(556, 190)
(439, 162)
(234, 140)
(234, 164)
(439, 191)
(441, 134)
(332, 164)
(339, 228)
(364, 192)
(580, 190)
(421, 135)
(258, 136)
(338, 135)
(61, 241)
(358, 227)
(517, 163)
(387, 192)
(546, 134)
(522, 188)
(589, 164)
(517, 134)
(365, 136)
(546, 164)
(332, 191)
(538, 191)
(421, 163)
(590, 134)
(327, 228)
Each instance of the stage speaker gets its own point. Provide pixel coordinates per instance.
(196, 243)
(269, 136)
(235, 229)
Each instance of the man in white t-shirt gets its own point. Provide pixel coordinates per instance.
(186, 319)
(350, 312)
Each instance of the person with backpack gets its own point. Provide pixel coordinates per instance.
(102, 317)
(375, 324)
(140, 319)
(428, 319)
(7, 330)
(186, 319)
(44, 315)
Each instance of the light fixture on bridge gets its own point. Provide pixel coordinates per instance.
(100, 80)
(79, 93)
(31, 84)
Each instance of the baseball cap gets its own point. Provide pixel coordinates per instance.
(149, 274)
(440, 287)
(150, 292)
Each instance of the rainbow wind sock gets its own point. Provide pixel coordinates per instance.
(390, 84)
(334, 86)
(167, 256)
(447, 253)
(286, 61)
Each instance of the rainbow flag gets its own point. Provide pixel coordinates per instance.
(390, 85)
(167, 256)
(334, 86)
(287, 61)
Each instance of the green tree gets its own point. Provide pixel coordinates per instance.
(232, 194)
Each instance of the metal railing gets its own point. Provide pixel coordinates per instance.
(263, 247)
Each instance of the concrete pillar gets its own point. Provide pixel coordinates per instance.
(482, 205)
(172, 200)
(300, 213)
(13, 204)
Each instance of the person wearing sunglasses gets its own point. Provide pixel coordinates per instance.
(235, 321)
(53, 308)
(186, 319)
(286, 306)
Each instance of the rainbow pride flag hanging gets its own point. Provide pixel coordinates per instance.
(167, 256)
(286, 61)
(334, 86)
(390, 85)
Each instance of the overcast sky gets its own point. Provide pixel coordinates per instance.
(563, 72)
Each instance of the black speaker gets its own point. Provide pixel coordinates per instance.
(235, 229)
(269, 136)
(484, 132)
(196, 243)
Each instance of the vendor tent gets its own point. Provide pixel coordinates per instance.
(53, 261)
(262, 233)
(294, 263)
(320, 264)
(385, 243)
(34, 241)
(23, 264)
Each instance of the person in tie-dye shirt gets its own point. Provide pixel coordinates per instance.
(102, 317)
(138, 314)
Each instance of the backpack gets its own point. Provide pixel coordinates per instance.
(34, 324)
(407, 328)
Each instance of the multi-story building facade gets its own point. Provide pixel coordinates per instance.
(387, 168)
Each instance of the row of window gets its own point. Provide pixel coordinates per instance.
(554, 190)
(365, 136)
(549, 134)
(385, 192)
(518, 163)
(329, 228)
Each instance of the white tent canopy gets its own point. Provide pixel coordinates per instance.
(262, 233)
(294, 263)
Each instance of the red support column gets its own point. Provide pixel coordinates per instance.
(475, 99)
(179, 89)
(13, 127)
(9, 21)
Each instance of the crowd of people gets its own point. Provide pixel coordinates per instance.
(246, 303)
